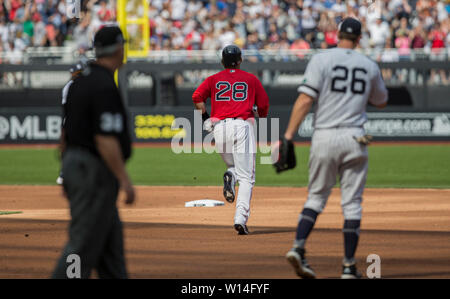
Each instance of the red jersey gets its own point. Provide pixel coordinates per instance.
(233, 93)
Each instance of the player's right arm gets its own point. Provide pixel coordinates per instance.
(202, 93)
(301, 108)
(199, 97)
(309, 91)
(313, 78)
(379, 94)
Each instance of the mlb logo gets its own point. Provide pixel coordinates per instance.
(73, 8)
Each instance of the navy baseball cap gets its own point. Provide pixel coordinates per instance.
(350, 26)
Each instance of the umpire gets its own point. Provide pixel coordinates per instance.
(97, 144)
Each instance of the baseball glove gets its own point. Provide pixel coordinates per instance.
(363, 140)
(286, 156)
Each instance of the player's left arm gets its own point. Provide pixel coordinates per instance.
(379, 94)
(301, 108)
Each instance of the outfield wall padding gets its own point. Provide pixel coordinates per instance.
(43, 125)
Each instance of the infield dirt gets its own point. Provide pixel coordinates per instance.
(408, 228)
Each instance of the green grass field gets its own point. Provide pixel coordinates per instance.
(395, 166)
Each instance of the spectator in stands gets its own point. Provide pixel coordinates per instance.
(331, 37)
(447, 30)
(105, 14)
(339, 7)
(83, 33)
(14, 5)
(3, 30)
(253, 43)
(227, 36)
(437, 37)
(402, 43)
(210, 41)
(28, 28)
(4, 10)
(379, 32)
(300, 45)
(418, 38)
(308, 23)
(194, 39)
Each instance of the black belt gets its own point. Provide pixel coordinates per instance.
(230, 118)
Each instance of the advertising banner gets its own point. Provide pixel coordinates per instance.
(388, 125)
(44, 126)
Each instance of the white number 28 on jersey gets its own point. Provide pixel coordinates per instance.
(239, 91)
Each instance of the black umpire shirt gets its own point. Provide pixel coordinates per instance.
(94, 107)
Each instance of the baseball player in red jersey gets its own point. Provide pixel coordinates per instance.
(235, 95)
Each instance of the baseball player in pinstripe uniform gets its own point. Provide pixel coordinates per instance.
(342, 82)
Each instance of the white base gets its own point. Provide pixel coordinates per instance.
(204, 203)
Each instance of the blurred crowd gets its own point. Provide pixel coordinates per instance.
(251, 24)
(297, 24)
(46, 23)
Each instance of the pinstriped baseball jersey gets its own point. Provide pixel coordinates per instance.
(342, 81)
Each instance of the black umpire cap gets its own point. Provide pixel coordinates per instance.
(231, 56)
(350, 26)
(107, 39)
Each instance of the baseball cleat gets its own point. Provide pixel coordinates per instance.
(241, 229)
(296, 257)
(349, 271)
(228, 187)
(59, 180)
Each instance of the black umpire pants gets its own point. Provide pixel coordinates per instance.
(95, 232)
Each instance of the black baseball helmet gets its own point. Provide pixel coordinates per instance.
(231, 56)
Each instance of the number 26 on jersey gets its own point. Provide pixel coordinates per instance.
(341, 75)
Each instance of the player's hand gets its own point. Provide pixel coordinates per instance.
(127, 187)
(208, 125)
(363, 140)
